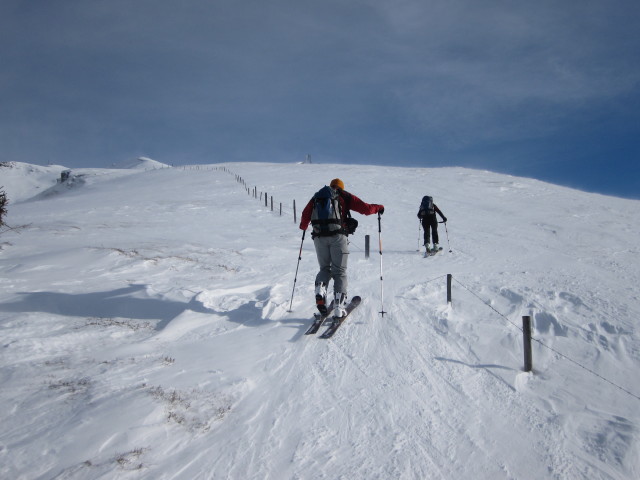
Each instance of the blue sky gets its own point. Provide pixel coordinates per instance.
(544, 89)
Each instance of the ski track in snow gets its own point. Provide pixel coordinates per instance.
(146, 335)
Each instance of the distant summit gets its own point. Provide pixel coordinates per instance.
(142, 163)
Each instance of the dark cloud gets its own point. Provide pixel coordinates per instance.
(411, 81)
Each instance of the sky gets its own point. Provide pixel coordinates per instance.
(543, 89)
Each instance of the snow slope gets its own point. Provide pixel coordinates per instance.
(142, 163)
(22, 181)
(146, 333)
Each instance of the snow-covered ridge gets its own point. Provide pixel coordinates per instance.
(23, 181)
(144, 323)
(142, 163)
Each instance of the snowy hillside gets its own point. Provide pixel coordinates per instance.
(142, 163)
(146, 333)
(22, 181)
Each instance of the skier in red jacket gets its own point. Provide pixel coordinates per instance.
(330, 239)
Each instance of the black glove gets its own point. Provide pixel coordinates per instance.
(381, 211)
(444, 219)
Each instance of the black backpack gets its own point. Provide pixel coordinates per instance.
(326, 216)
(426, 206)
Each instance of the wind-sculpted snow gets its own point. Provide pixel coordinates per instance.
(146, 331)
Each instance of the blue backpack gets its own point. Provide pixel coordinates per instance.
(326, 218)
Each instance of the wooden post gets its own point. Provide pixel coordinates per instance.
(526, 330)
(295, 219)
(265, 199)
(272, 203)
(449, 277)
(280, 208)
(366, 246)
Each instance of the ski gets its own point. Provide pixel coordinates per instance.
(431, 253)
(319, 320)
(335, 324)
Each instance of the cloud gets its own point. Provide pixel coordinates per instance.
(495, 70)
(355, 79)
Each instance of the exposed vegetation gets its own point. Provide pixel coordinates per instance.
(3, 206)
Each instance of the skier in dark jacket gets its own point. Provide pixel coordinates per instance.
(427, 216)
(332, 248)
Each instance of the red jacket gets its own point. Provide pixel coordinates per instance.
(348, 202)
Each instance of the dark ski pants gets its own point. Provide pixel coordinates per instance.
(333, 253)
(430, 222)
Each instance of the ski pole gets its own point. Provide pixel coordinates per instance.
(419, 228)
(382, 312)
(447, 230)
(298, 266)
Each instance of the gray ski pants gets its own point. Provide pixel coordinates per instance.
(332, 253)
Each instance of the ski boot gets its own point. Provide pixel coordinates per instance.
(321, 298)
(339, 306)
